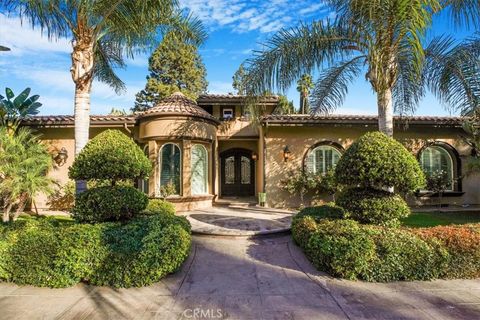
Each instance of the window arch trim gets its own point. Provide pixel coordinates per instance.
(454, 156)
(326, 143)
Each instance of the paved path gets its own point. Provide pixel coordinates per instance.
(266, 278)
(238, 221)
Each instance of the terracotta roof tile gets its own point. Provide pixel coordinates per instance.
(70, 119)
(177, 104)
(357, 119)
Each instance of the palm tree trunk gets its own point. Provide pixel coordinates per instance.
(6, 212)
(385, 112)
(21, 206)
(82, 75)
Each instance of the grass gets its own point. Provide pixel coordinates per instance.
(432, 219)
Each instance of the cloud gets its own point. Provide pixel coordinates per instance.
(244, 16)
(21, 39)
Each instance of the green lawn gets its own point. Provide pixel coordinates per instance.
(432, 219)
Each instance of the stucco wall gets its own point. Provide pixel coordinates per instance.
(301, 139)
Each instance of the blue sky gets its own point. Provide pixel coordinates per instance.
(236, 27)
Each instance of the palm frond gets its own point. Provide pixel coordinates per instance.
(464, 12)
(453, 73)
(293, 52)
(108, 56)
(332, 86)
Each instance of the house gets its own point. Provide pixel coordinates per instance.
(212, 149)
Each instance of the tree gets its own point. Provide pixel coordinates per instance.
(14, 109)
(174, 66)
(304, 85)
(103, 33)
(24, 164)
(284, 106)
(3, 48)
(239, 80)
(384, 37)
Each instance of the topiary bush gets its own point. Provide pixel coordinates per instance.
(159, 206)
(325, 211)
(112, 156)
(109, 204)
(373, 206)
(378, 161)
(48, 254)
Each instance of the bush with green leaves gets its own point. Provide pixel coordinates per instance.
(103, 204)
(46, 253)
(373, 206)
(351, 250)
(378, 161)
(159, 206)
(111, 156)
(329, 210)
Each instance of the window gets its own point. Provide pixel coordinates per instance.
(170, 167)
(321, 159)
(199, 169)
(436, 158)
(245, 170)
(228, 113)
(230, 170)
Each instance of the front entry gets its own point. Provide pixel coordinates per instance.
(237, 173)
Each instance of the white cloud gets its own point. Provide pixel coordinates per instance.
(22, 39)
(243, 16)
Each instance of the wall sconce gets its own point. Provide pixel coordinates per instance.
(254, 156)
(286, 153)
(61, 157)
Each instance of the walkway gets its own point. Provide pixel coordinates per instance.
(265, 278)
(238, 220)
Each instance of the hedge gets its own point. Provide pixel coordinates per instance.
(103, 204)
(348, 249)
(43, 253)
(373, 206)
(159, 206)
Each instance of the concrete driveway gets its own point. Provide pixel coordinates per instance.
(237, 278)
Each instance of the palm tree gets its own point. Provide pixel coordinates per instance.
(102, 32)
(304, 85)
(24, 164)
(385, 38)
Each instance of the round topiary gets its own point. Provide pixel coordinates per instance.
(330, 211)
(110, 156)
(159, 206)
(373, 206)
(109, 204)
(377, 161)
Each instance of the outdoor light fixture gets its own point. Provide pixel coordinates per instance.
(61, 157)
(286, 153)
(254, 156)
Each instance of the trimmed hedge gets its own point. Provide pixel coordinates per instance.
(373, 206)
(109, 204)
(350, 250)
(110, 156)
(159, 206)
(43, 253)
(377, 161)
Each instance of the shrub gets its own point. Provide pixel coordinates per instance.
(324, 211)
(109, 204)
(377, 161)
(401, 255)
(45, 253)
(110, 156)
(463, 246)
(158, 206)
(341, 248)
(373, 206)
(302, 229)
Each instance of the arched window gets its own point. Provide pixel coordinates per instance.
(143, 183)
(170, 168)
(199, 169)
(435, 159)
(322, 159)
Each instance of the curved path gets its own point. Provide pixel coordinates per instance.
(238, 278)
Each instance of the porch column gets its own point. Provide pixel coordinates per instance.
(187, 168)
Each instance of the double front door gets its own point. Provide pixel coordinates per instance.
(237, 173)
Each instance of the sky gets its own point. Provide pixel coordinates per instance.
(235, 28)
